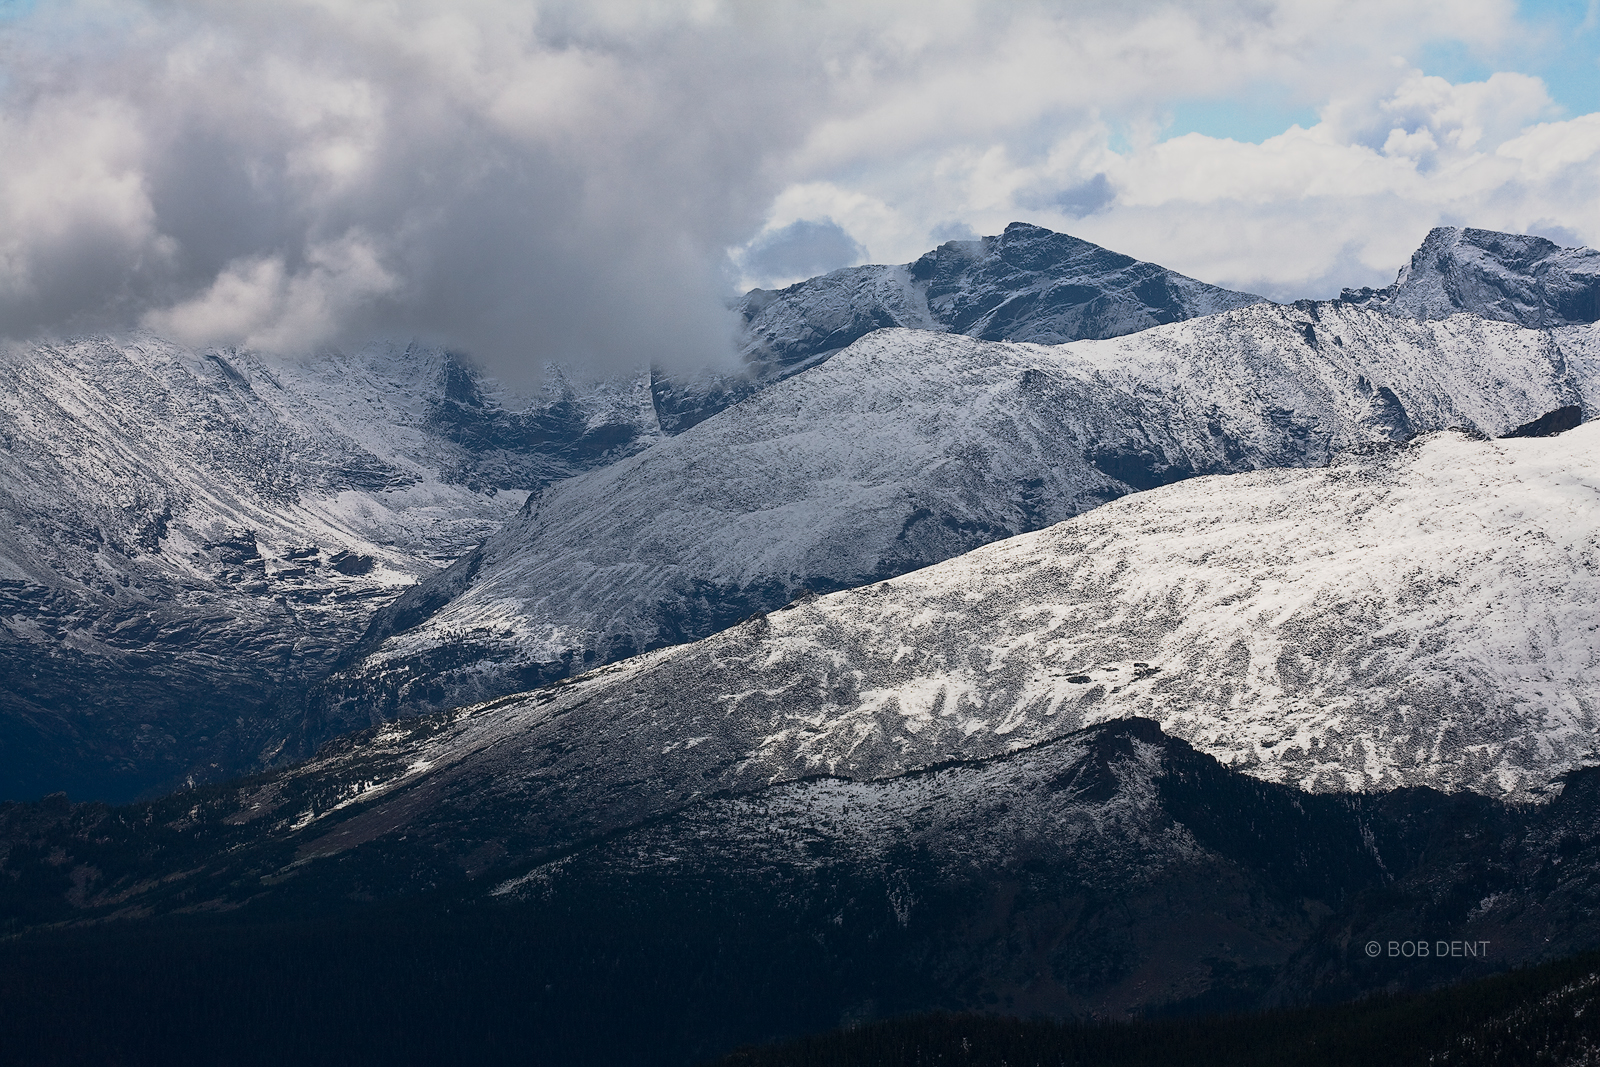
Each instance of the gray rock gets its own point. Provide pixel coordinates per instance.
(1509, 277)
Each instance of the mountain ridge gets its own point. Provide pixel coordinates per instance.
(910, 448)
(334, 483)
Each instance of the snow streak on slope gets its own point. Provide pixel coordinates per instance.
(910, 448)
(1425, 615)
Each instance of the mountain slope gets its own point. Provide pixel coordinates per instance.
(1425, 615)
(1111, 871)
(188, 533)
(910, 448)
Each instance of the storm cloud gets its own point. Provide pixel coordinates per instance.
(519, 182)
(590, 183)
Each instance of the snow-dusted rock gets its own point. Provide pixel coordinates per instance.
(913, 447)
(1027, 284)
(1428, 614)
(1510, 277)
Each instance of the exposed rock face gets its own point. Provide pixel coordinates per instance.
(1510, 277)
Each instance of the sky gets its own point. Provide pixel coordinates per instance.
(590, 183)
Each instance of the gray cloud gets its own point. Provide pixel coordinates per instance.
(1554, 231)
(555, 180)
(952, 231)
(1096, 194)
(524, 183)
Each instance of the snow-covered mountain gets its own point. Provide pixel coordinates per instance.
(911, 447)
(1128, 761)
(193, 537)
(188, 533)
(1510, 277)
(1422, 614)
(1027, 284)
(951, 781)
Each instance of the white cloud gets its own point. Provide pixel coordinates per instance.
(80, 192)
(258, 302)
(562, 180)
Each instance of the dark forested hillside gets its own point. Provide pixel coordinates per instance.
(1541, 1015)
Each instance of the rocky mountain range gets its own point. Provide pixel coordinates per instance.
(909, 448)
(1418, 617)
(1028, 284)
(193, 538)
(1165, 671)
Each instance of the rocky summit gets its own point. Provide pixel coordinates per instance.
(1510, 277)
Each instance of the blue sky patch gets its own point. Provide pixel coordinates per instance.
(1251, 120)
(1564, 52)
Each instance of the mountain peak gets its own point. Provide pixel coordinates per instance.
(1517, 278)
(1026, 284)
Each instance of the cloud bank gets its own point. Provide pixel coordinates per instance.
(589, 183)
(525, 183)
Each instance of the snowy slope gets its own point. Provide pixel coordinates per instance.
(912, 447)
(187, 533)
(1510, 277)
(1428, 614)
